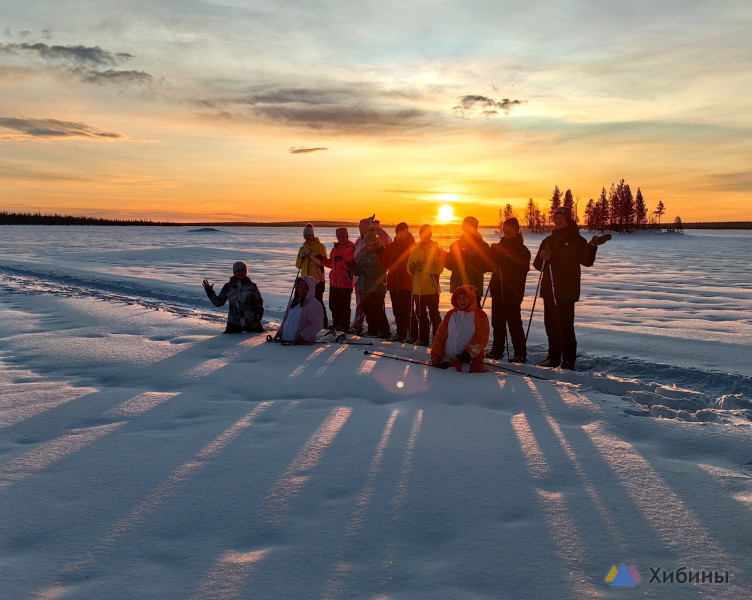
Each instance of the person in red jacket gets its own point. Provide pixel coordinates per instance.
(398, 281)
(341, 279)
(461, 339)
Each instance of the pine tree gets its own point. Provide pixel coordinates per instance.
(555, 202)
(508, 212)
(590, 214)
(641, 211)
(602, 211)
(659, 210)
(627, 207)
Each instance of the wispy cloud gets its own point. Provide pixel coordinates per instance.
(305, 150)
(475, 104)
(359, 108)
(83, 62)
(85, 55)
(18, 129)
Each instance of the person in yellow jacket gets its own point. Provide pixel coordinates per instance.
(425, 264)
(311, 262)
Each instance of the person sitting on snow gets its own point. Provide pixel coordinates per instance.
(246, 305)
(304, 317)
(463, 334)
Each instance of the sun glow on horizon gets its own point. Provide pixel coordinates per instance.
(446, 214)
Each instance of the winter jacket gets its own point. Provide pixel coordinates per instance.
(311, 259)
(512, 263)
(395, 259)
(569, 251)
(370, 269)
(310, 318)
(246, 304)
(340, 275)
(462, 332)
(468, 259)
(425, 263)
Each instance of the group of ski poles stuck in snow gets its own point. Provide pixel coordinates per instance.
(410, 270)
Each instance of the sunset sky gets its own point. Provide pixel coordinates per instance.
(333, 109)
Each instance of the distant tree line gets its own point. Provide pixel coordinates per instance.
(616, 209)
(8, 218)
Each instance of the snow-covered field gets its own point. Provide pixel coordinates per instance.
(145, 455)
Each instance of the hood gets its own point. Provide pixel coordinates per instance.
(470, 291)
(311, 287)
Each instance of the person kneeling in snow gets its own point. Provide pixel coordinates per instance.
(304, 318)
(246, 305)
(463, 334)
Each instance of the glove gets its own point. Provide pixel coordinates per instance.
(440, 363)
(351, 265)
(464, 357)
(337, 259)
(304, 253)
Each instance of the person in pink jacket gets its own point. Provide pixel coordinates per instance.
(304, 318)
(341, 279)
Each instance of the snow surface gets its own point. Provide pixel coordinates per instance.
(145, 455)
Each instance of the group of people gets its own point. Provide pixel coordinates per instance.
(409, 270)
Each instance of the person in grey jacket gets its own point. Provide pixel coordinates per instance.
(246, 305)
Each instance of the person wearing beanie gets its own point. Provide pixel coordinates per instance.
(511, 264)
(469, 258)
(560, 258)
(246, 305)
(425, 264)
(310, 261)
(341, 279)
(399, 282)
(370, 269)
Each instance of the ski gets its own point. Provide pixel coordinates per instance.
(339, 339)
(395, 357)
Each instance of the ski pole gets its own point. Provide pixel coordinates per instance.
(294, 285)
(535, 298)
(393, 357)
(504, 309)
(488, 288)
(556, 306)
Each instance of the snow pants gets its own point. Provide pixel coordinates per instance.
(558, 317)
(339, 303)
(505, 313)
(375, 313)
(427, 318)
(401, 309)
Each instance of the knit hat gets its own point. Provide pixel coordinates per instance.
(565, 212)
(513, 223)
(308, 229)
(470, 222)
(401, 227)
(342, 234)
(239, 265)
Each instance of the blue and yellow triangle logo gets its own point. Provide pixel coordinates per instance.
(623, 576)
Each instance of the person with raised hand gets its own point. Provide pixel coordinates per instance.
(246, 307)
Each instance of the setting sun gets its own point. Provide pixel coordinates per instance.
(446, 214)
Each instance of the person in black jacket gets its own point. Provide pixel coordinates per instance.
(511, 260)
(561, 255)
(246, 305)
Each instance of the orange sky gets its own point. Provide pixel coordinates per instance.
(144, 112)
